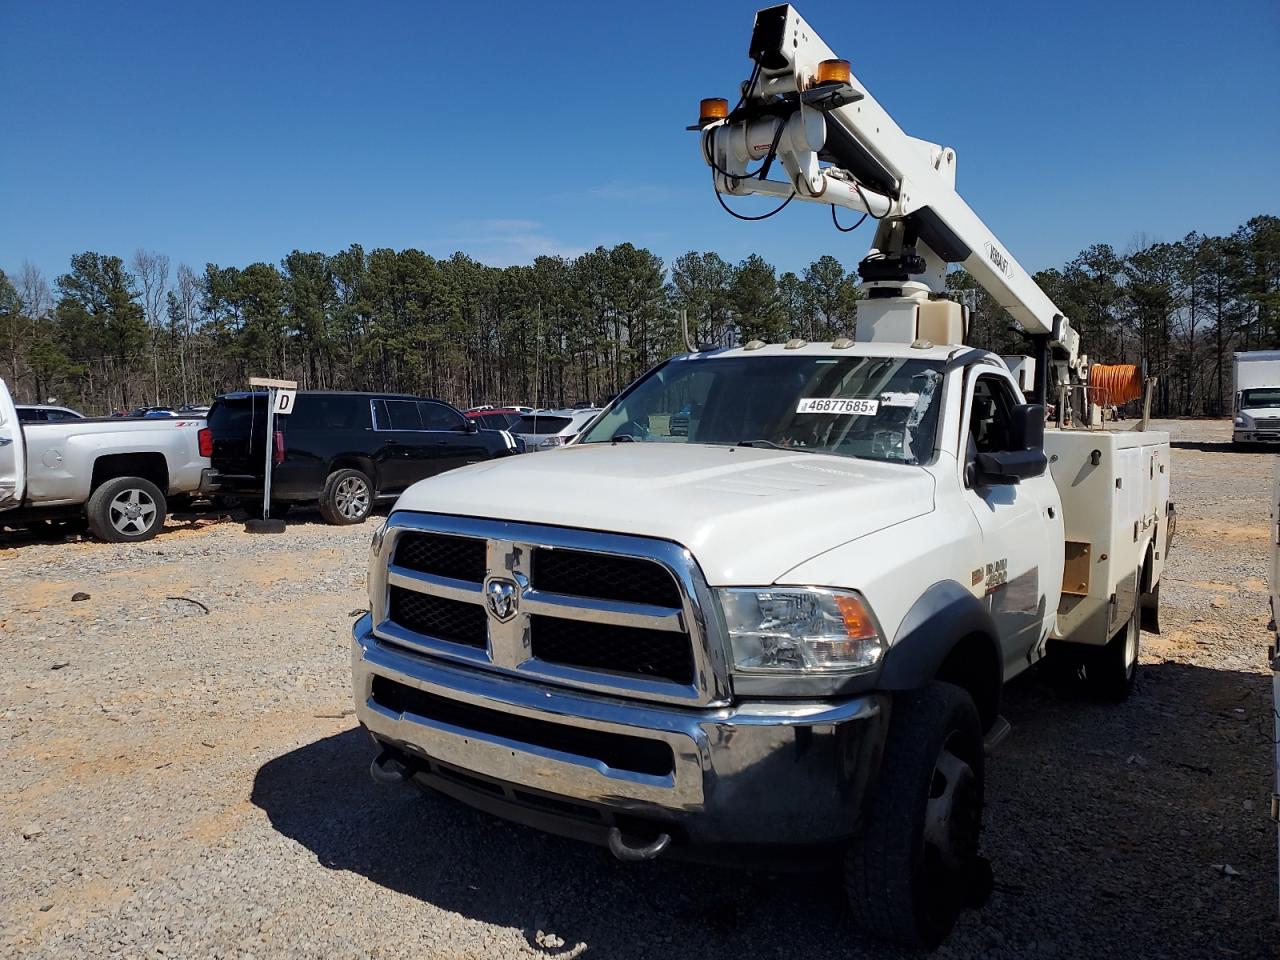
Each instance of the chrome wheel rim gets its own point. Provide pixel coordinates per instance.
(352, 498)
(132, 511)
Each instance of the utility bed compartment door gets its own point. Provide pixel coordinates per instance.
(13, 453)
(1115, 492)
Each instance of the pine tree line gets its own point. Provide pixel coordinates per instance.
(108, 336)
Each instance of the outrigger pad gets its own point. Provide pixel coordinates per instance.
(273, 525)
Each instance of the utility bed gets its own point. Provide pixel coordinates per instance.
(1115, 507)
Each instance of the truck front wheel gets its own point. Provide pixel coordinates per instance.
(126, 510)
(915, 861)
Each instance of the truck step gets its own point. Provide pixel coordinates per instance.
(995, 736)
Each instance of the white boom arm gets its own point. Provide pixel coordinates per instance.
(838, 146)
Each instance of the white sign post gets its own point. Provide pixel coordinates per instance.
(280, 397)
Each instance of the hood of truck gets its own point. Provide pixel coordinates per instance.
(1260, 413)
(748, 515)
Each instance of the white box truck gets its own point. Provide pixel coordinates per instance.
(1256, 392)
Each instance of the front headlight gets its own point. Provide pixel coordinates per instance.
(1242, 421)
(800, 630)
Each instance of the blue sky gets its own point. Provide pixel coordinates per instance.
(233, 132)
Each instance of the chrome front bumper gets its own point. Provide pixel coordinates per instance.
(755, 773)
(1256, 436)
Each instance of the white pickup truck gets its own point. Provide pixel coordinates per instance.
(787, 624)
(119, 474)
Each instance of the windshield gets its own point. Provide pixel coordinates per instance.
(541, 424)
(1259, 398)
(879, 408)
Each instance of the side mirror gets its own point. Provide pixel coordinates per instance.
(1025, 457)
(470, 426)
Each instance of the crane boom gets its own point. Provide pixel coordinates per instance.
(804, 108)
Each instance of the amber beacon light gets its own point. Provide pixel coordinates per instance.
(713, 109)
(833, 71)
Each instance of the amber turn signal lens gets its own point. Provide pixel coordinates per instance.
(713, 108)
(858, 624)
(833, 71)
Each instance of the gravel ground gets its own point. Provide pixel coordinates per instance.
(183, 783)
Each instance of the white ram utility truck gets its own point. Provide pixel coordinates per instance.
(790, 625)
(1256, 391)
(771, 596)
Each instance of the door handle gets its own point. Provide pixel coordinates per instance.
(5, 441)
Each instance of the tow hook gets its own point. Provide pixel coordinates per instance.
(387, 768)
(624, 851)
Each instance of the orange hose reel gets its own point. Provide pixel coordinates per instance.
(1113, 384)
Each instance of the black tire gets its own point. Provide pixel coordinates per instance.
(126, 510)
(910, 870)
(347, 497)
(1110, 672)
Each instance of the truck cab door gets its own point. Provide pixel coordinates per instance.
(13, 453)
(1017, 521)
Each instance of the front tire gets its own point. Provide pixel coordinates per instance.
(911, 868)
(126, 510)
(347, 497)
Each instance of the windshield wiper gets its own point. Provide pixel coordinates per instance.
(770, 445)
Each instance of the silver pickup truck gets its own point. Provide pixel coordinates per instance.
(118, 473)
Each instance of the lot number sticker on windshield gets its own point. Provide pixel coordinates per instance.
(837, 406)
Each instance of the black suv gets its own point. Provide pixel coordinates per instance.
(341, 451)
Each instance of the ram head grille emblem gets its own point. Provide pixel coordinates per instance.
(502, 598)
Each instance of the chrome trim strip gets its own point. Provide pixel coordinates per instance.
(614, 612)
(616, 683)
(446, 587)
(425, 643)
(509, 550)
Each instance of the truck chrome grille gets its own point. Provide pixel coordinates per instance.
(618, 614)
(600, 646)
(462, 558)
(448, 620)
(582, 574)
(1267, 423)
